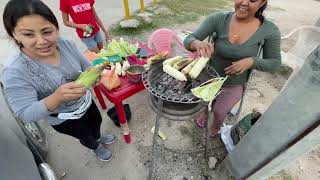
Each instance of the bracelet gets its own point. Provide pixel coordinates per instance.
(71, 24)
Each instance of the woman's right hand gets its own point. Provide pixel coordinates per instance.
(204, 49)
(69, 91)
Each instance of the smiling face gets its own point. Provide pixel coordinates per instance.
(245, 9)
(38, 36)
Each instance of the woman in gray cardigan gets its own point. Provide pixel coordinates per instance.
(39, 77)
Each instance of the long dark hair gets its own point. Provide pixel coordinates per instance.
(17, 9)
(259, 13)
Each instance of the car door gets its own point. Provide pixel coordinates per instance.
(16, 159)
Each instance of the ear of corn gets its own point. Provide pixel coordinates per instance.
(183, 63)
(186, 69)
(118, 68)
(158, 57)
(125, 66)
(90, 75)
(174, 73)
(197, 68)
(172, 61)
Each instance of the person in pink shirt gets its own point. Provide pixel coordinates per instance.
(83, 14)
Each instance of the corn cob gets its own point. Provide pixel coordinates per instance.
(174, 73)
(172, 61)
(197, 68)
(156, 58)
(90, 75)
(186, 69)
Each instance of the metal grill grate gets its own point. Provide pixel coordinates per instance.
(167, 88)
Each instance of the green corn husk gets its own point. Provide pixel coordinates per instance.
(90, 75)
(210, 89)
(122, 48)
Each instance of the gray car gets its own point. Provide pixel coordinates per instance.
(23, 148)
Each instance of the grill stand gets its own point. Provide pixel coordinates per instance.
(153, 79)
(159, 112)
(210, 119)
(155, 134)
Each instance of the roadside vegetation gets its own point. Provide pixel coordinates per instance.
(178, 12)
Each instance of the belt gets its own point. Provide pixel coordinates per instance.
(54, 115)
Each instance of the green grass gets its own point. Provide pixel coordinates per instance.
(143, 27)
(282, 175)
(183, 11)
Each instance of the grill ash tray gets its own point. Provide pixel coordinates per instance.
(164, 86)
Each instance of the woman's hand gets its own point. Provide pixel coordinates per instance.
(238, 67)
(204, 49)
(69, 91)
(65, 92)
(98, 80)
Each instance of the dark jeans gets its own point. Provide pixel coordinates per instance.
(86, 129)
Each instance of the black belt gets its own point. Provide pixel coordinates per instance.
(54, 115)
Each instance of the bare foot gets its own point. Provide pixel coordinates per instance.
(214, 132)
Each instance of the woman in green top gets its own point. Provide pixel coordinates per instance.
(239, 35)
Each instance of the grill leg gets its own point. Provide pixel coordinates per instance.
(155, 134)
(210, 119)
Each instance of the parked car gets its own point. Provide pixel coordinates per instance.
(23, 148)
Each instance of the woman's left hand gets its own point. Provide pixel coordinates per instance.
(97, 81)
(238, 67)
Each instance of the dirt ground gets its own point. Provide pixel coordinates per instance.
(181, 156)
(287, 14)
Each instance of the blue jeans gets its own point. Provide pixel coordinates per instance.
(92, 41)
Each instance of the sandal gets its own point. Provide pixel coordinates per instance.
(201, 121)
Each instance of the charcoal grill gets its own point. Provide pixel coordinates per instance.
(171, 98)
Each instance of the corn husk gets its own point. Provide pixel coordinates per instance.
(90, 75)
(210, 89)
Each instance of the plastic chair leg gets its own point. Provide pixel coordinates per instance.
(123, 122)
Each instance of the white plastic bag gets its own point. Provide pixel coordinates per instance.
(226, 137)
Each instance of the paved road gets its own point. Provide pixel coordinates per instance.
(110, 11)
(66, 154)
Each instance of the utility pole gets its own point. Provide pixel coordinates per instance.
(126, 9)
(142, 6)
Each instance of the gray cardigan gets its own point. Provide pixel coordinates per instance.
(25, 87)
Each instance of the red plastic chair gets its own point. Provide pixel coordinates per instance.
(162, 40)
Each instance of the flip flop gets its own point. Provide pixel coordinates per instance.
(201, 122)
